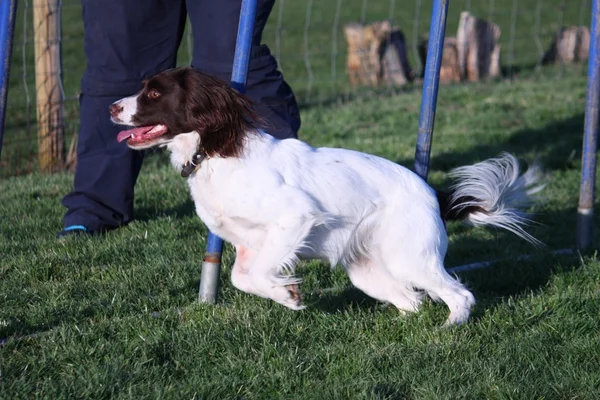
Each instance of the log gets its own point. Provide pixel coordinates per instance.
(569, 45)
(376, 54)
(48, 83)
(396, 68)
(449, 71)
(472, 55)
(364, 52)
(478, 48)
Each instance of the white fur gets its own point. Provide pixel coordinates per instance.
(129, 105)
(283, 200)
(500, 190)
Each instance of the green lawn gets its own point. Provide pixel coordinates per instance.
(116, 316)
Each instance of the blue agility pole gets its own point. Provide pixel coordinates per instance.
(211, 266)
(433, 64)
(8, 11)
(585, 210)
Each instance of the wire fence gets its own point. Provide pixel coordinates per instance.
(307, 39)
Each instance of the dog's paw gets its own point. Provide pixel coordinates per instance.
(288, 296)
(295, 296)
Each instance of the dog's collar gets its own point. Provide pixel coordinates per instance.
(193, 165)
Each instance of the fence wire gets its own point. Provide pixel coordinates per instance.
(306, 38)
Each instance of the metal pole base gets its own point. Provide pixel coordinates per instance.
(209, 282)
(585, 228)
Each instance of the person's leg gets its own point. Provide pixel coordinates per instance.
(214, 26)
(126, 41)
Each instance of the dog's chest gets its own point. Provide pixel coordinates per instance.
(225, 211)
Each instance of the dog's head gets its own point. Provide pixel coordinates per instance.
(183, 100)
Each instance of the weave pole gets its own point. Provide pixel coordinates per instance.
(8, 11)
(431, 82)
(211, 266)
(585, 210)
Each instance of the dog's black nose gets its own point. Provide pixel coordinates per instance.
(114, 110)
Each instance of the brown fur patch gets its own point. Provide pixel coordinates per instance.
(222, 116)
(185, 100)
(450, 212)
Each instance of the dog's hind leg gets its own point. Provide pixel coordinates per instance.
(429, 275)
(440, 285)
(413, 250)
(372, 278)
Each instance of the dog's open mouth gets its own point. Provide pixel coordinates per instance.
(142, 134)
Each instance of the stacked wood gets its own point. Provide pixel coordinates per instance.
(396, 68)
(449, 71)
(364, 52)
(478, 48)
(472, 55)
(376, 54)
(569, 45)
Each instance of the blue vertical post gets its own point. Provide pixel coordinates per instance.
(585, 210)
(211, 266)
(8, 10)
(433, 64)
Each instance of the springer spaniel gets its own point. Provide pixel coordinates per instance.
(278, 201)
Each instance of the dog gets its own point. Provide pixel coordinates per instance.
(280, 201)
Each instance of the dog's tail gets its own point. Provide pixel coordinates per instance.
(494, 193)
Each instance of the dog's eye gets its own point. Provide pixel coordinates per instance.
(153, 94)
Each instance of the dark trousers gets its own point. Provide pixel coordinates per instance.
(127, 41)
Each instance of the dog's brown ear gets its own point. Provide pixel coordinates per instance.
(222, 116)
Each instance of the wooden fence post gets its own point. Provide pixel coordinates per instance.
(48, 83)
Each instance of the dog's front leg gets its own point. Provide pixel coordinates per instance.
(278, 254)
(240, 277)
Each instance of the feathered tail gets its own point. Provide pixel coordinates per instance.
(493, 193)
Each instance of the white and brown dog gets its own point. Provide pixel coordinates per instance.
(278, 201)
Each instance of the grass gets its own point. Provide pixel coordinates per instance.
(116, 316)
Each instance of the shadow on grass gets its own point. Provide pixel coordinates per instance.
(348, 299)
(182, 210)
(554, 143)
(523, 70)
(392, 391)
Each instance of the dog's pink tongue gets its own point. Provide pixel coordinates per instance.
(124, 135)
